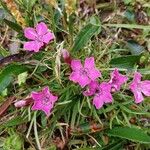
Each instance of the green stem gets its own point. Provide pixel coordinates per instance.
(36, 133)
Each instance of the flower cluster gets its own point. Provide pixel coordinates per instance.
(85, 75)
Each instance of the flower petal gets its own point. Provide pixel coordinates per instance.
(76, 65)
(41, 28)
(138, 97)
(92, 88)
(94, 74)
(117, 79)
(145, 87)
(74, 76)
(36, 96)
(134, 86)
(83, 80)
(98, 102)
(33, 46)
(30, 33)
(137, 77)
(106, 92)
(47, 37)
(47, 92)
(89, 63)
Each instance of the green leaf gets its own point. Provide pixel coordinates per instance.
(129, 26)
(15, 121)
(127, 62)
(116, 145)
(6, 76)
(92, 28)
(22, 78)
(5, 81)
(29, 4)
(132, 134)
(134, 47)
(14, 141)
(13, 25)
(127, 1)
(133, 111)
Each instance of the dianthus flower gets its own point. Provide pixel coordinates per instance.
(38, 36)
(84, 74)
(43, 100)
(101, 92)
(139, 87)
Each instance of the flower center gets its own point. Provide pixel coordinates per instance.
(114, 80)
(39, 38)
(46, 100)
(84, 71)
(98, 91)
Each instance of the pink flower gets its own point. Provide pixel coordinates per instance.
(44, 100)
(139, 87)
(84, 74)
(117, 80)
(101, 92)
(38, 36)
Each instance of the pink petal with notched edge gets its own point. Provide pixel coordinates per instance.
(106, 92)
(74, 76)
(98, 102)
(89, 63)
(138, 96)
(94, 74)
(145, 87)
(36, 96)
(83, 80)
(76, 65)
(30, 33)
(135, 87)
(41, 28)
(33, 46)
(48, 37)
(137, 77)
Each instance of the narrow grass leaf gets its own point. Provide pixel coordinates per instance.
(129, 26)
(13, 25)
(15, 121)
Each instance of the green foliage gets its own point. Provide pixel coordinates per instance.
(13, 25)
(116, 35)
(13, 142)
(6, 76)
(86, 33)
(127, 62)
(134, 47)
(133, 134)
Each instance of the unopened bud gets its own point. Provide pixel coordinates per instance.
(66, 56)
